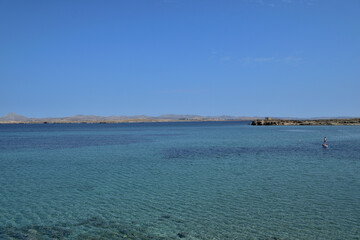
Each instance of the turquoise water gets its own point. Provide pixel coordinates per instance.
(179, 180)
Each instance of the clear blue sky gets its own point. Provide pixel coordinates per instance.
(297, 58)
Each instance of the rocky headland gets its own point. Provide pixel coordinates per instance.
(288, 122)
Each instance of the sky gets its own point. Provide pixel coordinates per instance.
(284, 58)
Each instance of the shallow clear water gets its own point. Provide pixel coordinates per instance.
(179, 180)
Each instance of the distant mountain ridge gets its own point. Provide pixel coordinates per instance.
(15, 118)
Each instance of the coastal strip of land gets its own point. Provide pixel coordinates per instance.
(13, 118)
(117, 121)
(289, 122)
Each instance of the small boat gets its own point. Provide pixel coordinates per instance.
(325, 146)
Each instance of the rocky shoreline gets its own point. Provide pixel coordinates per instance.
(282, 122)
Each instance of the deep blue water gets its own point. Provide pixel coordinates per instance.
(207, 180)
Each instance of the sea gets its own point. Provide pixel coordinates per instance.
(185, 180)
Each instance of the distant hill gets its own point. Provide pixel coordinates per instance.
(177, 116)
(15, 118)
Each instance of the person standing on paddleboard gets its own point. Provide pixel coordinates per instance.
(324, 144)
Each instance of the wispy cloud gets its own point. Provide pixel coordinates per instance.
(264, 59)
(289, 59)
(225, 59)
(292, 59)
(248, 60)
(218, 56)
(245, 61)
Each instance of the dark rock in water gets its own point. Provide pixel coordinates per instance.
(178, 220)
(94, 228)
(34, 232)
(181, 235)
(16, 235)
(52, 232)
(94, 221)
